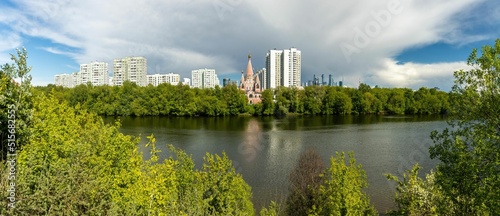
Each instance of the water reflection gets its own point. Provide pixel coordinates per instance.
(251, 144)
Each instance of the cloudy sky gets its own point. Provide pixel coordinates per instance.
(390, 43)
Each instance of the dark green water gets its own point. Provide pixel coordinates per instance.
(264, 150)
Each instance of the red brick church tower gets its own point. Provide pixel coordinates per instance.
(251, 84)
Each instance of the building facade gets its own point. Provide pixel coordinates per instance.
(186, 81)
(95, 73)
(157, 79)
(273, 69)
(64, 80)
(283, 68)
(250, 83)
(262, 77)
(133, 69)
(204, 78)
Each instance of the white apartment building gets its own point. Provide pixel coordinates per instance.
(64, 80)
(273, 69)
(95, 73)
(76, 79)
(291, 67)
(133, 69)
(204, 78)
(158, 79)
(283, 68)
(186, 81)
(85, 75)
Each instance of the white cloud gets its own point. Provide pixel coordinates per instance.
(416, 75)
(8, 43)
(181, 35)
(58, 51)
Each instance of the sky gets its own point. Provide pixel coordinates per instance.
(389, 43)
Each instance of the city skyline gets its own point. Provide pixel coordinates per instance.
(376, 43)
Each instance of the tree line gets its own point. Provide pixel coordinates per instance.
(69, 162)
(181, 100)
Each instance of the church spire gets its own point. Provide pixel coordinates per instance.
(249, 67)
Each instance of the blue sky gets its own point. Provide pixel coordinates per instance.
(390, 43)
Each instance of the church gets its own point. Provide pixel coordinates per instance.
(251, 84)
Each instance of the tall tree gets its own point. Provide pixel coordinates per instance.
(304, 180)
(469, 153)
(342, 193)
(15, 104)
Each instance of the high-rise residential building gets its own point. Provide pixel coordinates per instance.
(262, 77)
(76, 78)
(273, 69)
(64, 80)
(186, 81)
(204, 78)
(97, 73)
(85, 74)
(283, 68)
(157, 79)
(133, 69)
(291, 67)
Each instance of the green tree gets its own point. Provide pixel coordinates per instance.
(342, 191)
(304, 181)
(16, 104)
(73, 164)
(236, 99)
(282, 101)
(370, 104)
(274, 209)
(469, 153)
(396, 102)
(363, 88)
(409, 102)
(313, 99)
(336, 102)
(416, 196)
(268, 104)
(224, 190)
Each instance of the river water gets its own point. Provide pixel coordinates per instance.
(265, 149)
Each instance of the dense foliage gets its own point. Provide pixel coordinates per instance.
(74, 164)
(469, 152)
(336, 190)
(15, 104)
(467, 179)
(417, 196)
(342, 190)
(180, 100)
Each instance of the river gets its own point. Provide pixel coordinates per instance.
(265, 149)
